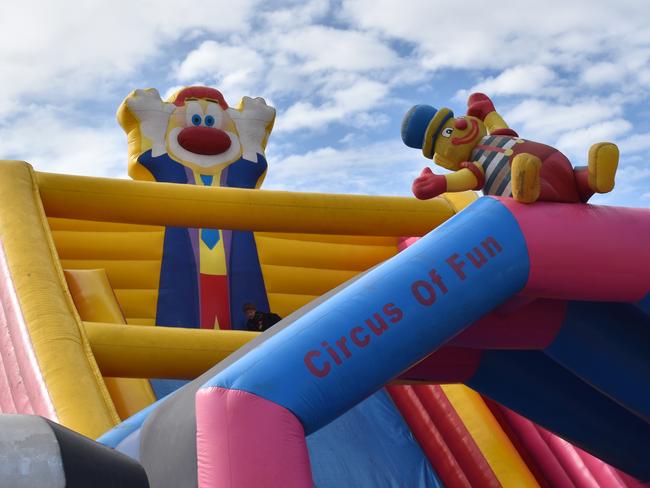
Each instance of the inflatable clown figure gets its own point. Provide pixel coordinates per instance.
(196, 138)
(485, 154)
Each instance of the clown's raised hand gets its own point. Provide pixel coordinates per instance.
(254, 120)
(479, 105)
(429, 185)
(144, 110)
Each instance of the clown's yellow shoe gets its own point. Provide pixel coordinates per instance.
(603, 162)
(526, 177)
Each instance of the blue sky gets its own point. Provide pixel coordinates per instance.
(340, 73)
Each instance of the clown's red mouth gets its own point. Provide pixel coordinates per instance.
(204, 140)
(457, 141)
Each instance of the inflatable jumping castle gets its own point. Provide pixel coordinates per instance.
(448, 340)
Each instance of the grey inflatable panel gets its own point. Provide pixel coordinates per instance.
(38, 452)
(29, 453)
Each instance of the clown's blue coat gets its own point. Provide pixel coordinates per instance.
(179, 297)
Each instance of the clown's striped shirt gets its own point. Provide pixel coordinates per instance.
(493, 155)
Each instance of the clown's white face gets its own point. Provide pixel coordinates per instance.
(202, 135)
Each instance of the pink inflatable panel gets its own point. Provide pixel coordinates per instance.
(22, 388)
(585, 252)
(244, 441)
(532, 326)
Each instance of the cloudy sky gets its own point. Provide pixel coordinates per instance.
(340, 73)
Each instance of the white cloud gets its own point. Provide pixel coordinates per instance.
(469, 30)
(321, 48)
(236, 70)
(302, 115)
(318, 66)
(362, 96)
(631, 175)
(297, 13)
(383, 168)
(579, 141)
(542, 120)
(68, 52)
(217, 60)
(635, 143)
(171, 91)
(50, 141)
(632, 183)
(554, 34)
(644, 77)
(604, 73)
(523, 79)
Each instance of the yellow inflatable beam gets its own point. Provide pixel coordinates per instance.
(64, 359)
(160, 352)
(140, 202)
(95, 301)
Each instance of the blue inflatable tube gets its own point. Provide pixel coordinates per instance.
(349, 346)
(608, 346)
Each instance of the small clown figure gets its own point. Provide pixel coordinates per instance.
(196, 138)
(485, 154)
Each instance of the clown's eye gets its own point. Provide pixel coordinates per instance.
(447, 132)
(196, 120)
(209, 120)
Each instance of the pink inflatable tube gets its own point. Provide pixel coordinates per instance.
(531, 439)
(570, 460)
(562, 464)
(584, 252)
(606, 475)
(245, 440)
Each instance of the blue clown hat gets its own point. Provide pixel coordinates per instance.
(422, 125)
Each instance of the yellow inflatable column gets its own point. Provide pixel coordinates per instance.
(96, 302)
(65, 361)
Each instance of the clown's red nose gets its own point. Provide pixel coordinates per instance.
(204, 140)
(460, 124)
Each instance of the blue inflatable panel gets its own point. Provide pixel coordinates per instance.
(608, 346)
(352, 344)
(369, 446)
(645, 304)
(162, 387)
(534, 385)
(245, 278)
(118, 433)
(178, 293)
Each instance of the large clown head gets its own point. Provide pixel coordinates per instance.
(446, 139)
(200, 133)
(194, 128)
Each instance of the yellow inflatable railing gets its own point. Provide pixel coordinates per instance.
(141, 202)
(308, 243)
